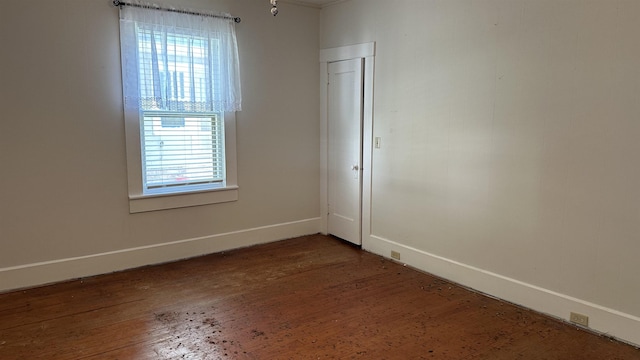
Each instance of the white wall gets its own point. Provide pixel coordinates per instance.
(63, 182)
(509, 158)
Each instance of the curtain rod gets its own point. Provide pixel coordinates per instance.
(121, 3)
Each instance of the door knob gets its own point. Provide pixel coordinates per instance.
(355, 167)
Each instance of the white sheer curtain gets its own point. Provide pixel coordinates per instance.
(179, 62)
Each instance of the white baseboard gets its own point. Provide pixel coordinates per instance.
(29, 275)
(603, 320)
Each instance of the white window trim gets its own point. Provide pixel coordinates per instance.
(140, 202)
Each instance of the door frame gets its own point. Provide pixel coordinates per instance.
(366, 52)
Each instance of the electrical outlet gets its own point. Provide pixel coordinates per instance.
(579, 319)
(395, 255)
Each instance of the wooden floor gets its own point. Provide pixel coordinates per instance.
(306, 298)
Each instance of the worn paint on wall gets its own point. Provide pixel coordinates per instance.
(63, 182)
(509, 132)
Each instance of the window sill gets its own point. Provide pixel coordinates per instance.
(144, 203)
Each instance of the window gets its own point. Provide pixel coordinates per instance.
(181, 150)
(181, 91)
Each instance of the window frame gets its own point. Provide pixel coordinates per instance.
(134, 110)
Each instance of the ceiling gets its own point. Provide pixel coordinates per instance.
(314, 3)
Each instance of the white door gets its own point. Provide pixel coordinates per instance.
(344, 161)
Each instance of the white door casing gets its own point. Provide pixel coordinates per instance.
(366, 53)
(344, 161)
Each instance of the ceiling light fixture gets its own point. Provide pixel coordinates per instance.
(274, 7)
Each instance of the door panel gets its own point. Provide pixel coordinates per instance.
(345, 149)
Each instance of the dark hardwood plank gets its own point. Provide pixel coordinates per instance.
(313, 297)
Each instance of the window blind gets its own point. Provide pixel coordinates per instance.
(183, 150)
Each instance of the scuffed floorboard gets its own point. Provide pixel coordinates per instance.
(313, 297)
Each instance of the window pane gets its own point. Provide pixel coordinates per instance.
(177, 71)
(182, 149)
